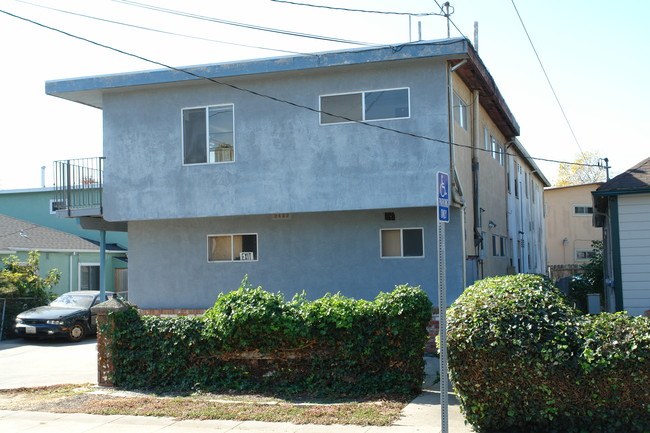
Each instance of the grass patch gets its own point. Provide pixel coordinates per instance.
(378, 411)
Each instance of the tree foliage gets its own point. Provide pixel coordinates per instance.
(591, 280)
(585, 169)
(23, 279)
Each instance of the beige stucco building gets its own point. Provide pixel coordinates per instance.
(500, 186)
(569, 229)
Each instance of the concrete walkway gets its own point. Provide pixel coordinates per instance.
(47, 362)
(421, 415)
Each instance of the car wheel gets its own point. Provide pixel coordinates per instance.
(76, 332)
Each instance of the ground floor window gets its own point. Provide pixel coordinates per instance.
(228, 248)
(584, 255)
(88, 276)
(408, 242)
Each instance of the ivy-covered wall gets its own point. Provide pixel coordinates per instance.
(257, 341)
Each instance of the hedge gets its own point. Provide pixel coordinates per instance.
(522, 359)
(253, 340)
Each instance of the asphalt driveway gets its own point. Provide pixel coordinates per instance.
(47, 362)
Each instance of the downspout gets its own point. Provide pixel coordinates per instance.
(514, 233)
(72, 254)
(457, 189)
(478, 229)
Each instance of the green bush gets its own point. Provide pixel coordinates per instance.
(520, 358)
(256, 341)
(22, 288)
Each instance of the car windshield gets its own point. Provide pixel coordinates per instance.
(73, 300)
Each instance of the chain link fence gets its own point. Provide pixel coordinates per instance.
(10, 308)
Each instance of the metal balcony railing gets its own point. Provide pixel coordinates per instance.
(78, 187)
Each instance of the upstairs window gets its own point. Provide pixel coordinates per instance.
(230, 248)
(362, 106)
(460, 111)
(208, 134)
(402, 242)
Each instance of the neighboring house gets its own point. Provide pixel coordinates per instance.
(622, 209)
(569, 229)
(336, 191)
(76, 258)
(526, 219)
(38, 206)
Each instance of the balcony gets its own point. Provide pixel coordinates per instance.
(78, 187)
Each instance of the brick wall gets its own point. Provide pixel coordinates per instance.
(171, 312)
(433, 328)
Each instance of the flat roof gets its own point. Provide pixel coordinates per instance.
(90, 90)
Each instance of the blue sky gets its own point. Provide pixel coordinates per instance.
(594, 52)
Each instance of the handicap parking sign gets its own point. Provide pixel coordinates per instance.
(443, 197)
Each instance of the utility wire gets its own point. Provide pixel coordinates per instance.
(163, 31)
(243, 25)
(547, 78)
(273, 98)
(358, 10)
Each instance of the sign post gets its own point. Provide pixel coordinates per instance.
(443, 218)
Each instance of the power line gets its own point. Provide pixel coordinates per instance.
(243, 25)
(547, 78)
(273, 98)
(358, 10)
(162, 31)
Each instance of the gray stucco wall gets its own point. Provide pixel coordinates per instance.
(285, 160)
(316, 252)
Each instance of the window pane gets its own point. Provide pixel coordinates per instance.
(387, 104)
(220, 248)
(247, 244)
(347, 106)
(412, 239)
(194, 140)
(221, 133)
(390, 243)
(460, 111)
(89, 278)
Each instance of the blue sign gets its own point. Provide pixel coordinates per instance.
(443, 197)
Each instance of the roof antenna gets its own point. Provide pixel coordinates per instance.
(447, 15)
(476, 36)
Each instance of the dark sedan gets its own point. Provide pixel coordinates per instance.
(67, 316)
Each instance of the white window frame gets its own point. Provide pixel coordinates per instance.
(256, 256)
(207, 132)
(52, 202)
(401, 241)
(582, 214)
(583, 250)
(460, 110)
(363, 105)
(87, 264)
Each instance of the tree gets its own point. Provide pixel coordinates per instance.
(19, 279)
(590, 280)
(587, 168)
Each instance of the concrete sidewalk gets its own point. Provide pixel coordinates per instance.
(421, 415)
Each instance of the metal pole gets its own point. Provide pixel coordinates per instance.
(446, 6)
(442, 313)
(2, 324)
(102, 265)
